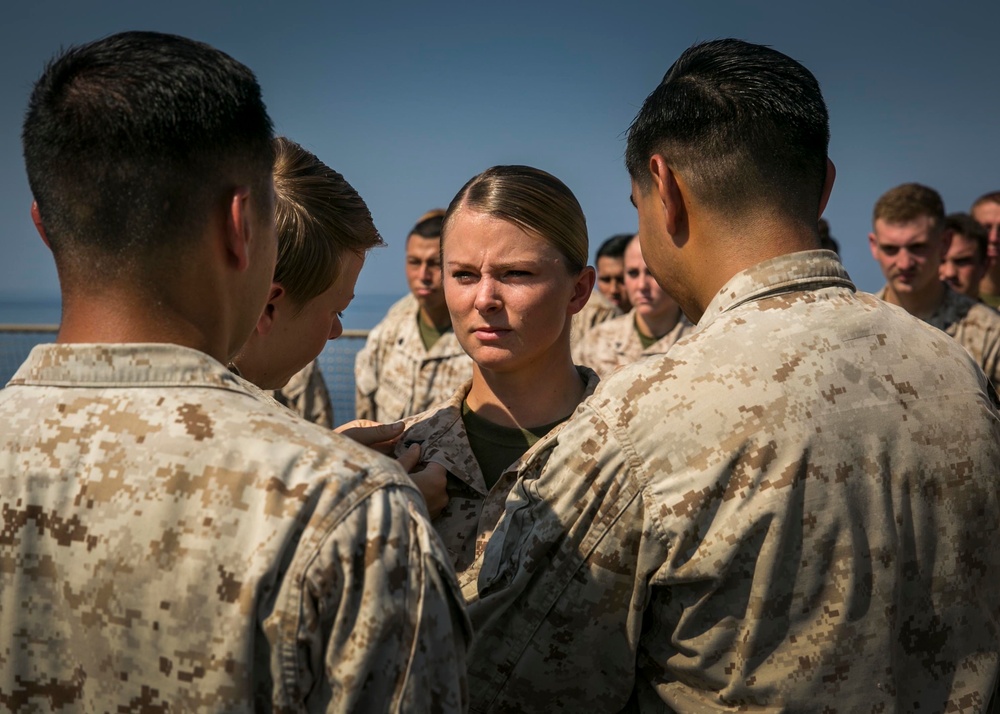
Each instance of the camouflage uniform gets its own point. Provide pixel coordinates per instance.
(172, 542)
(396, 376)
(597, 311)
(973, 325)
(473, 510)
(616, 343)
(306, 395)
(795, 509)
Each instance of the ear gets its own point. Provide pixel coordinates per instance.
(671, 193)
(582, 289)
(36, 218)
(238, 231)
(831, 176)
(873, 244)
(276, 300)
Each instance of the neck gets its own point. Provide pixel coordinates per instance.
(658, 325)
(439, 318)
(529, 397)
(721, 250)
(922, 304)
(990, 284)
(117, 316)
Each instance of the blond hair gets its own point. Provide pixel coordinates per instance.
(532, 199)
(319, 218)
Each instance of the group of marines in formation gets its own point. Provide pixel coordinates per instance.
(738, 484)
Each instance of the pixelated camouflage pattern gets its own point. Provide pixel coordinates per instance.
(598, 310)
(795, 509)
(473, 510)
(973, 325)
(306, 395)
(172, 543)
(616, 343)
(396, 376)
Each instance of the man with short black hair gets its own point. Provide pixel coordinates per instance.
(172, 539)
(796, 507)
(412, 359)
(610, 265)
(909, 241)
(966, 260)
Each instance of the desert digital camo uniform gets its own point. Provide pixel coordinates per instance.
(973, 325)
(306, 395)
(171, 542)
(616, 343)
(598, 310)
(473, 510)
(795, 508)
(396, 376)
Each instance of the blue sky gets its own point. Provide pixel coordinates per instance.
(409, 100)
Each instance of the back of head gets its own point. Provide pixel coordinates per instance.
(532, 199)
(130, 140)
(908, 202)
(746, 126)
(319, 218)
(614, 247)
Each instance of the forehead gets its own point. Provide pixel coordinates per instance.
(608, 264)
(633, 254)
(420, 247)
(988, 212)
(901, 234)
(961, 246)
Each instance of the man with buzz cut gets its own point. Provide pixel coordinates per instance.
(966, 260)
(412, 359)
(172, 539)
(795, 508)
(909, 240)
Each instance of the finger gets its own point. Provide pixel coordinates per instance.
(433, 484)
(409, 458)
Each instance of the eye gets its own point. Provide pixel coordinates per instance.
(462, 276)
(517, 274)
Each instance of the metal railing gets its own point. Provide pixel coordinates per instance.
(336, 361)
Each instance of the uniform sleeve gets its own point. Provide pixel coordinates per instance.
(381, 624)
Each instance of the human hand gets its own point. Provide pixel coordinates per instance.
(430, 478)
(381, 437)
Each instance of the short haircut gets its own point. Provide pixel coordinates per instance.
(745, 125)
(991, 197)
(319, 218)
(614, 247)
(429, 225)
(908, 202)
(532, 199)
(130, 140)
(969, 228)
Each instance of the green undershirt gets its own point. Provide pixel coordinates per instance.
(645, 341)
(428, 333)
(497, 447)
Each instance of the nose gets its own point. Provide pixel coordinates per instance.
(487, 296)
(425, 273)
(947, 270)
(905, 260)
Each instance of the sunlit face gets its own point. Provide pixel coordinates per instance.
(508, 291)
(423, 272)
(988, 215)
(962, 268)
(908, 253)
(647, 297)
(611, 281)
(297, 337)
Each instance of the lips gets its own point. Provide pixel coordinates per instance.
(488, 333)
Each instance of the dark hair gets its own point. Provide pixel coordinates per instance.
(744, 124)
(319, 219)
(129, 140)
(972, 230)
(533, 199)
(429, 225)
(827, 241)
(614, 247)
